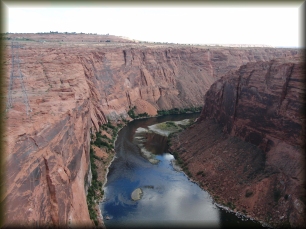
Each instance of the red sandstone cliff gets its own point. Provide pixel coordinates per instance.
(72, 87)
(262, 103)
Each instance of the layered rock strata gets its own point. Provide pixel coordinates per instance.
(247, 147)
(70, 89)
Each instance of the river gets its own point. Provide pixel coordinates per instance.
(169, 198)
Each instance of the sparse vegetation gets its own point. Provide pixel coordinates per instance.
(231, 205)
(170, 124)
(95, 191)
(179, 111)
(145, 114)
(132, 114)
(188, 172)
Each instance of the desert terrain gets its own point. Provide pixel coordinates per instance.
(60, 88)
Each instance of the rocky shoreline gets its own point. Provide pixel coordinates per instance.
(247, 147)
(105, 176)
(106, 167)
(219, 204)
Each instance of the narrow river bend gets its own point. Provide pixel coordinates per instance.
(169, 198)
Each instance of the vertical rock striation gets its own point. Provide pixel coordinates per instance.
(72, 88)
(156, 78)
(249, 141)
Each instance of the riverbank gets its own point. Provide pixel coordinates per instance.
(170, 197)
(220, 165)
(102, 165)
(102, 154)
(217, 200)
(102, 145)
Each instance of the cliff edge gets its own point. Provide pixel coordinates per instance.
(247, 147)
(61, 88)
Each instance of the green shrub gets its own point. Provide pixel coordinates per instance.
(94, 174)
(104, 136)
(98, 135)
(179, 111)
(231, 205)
(99, 142)
(171, 124)
(175, 154)
(104, 127)
(145, 114)
(131, 112)
(109, 124)
(179, 160)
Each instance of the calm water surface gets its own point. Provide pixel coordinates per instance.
(169, 199)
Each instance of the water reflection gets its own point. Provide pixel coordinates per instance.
(169, 198)
(155, 143)
(172, 199)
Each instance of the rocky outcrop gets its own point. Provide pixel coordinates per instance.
(73, 87)
(45, 173)
(160, 77)
(260, 102)
(247, 147)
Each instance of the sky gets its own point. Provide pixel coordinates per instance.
(278, 25)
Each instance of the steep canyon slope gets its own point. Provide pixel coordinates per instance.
(247, 147)
(70, 88)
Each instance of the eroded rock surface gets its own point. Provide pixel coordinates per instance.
(72, 84)
(247, 147)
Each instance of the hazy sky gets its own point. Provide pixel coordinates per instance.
(276, 25)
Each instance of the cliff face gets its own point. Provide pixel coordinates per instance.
(249, 141)
(155, 78)
(46, 170)
(260, 102)
(72, 87)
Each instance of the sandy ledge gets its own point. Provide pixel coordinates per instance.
(137, 194)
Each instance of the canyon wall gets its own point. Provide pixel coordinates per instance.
(72, 88)
(247, 147)
(161, 77)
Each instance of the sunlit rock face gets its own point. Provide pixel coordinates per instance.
(71, 85)
(249, 141)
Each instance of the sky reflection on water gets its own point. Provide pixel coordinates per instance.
(169, 198)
